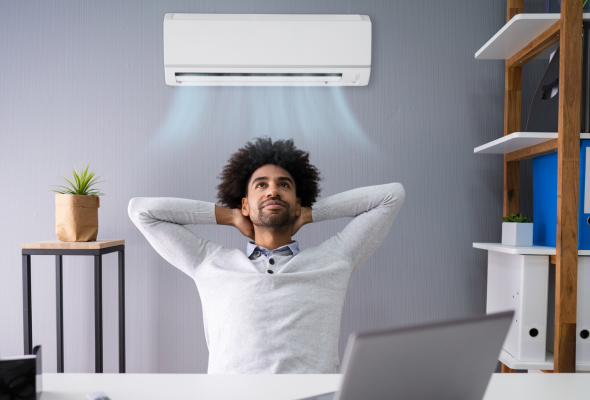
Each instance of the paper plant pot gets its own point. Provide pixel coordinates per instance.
(517, 233)
(76, 217)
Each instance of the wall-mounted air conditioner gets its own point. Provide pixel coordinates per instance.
(267, 50)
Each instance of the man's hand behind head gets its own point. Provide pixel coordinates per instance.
(243, 223)
(302, 219)
(234, 217)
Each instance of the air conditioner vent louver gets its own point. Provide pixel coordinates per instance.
(267, 50)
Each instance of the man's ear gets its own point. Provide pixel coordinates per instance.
(298, 207)
(245, 207)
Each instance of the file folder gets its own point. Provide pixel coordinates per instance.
(545, 199)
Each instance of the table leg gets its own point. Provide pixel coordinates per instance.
(98, 313)
(59, 311)
(27, 310)
(122, 311)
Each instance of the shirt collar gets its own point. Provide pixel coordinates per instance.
(251, 247)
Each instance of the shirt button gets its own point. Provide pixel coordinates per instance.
(270, 271)
(271, 261)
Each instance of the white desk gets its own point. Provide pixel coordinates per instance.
(281, 387)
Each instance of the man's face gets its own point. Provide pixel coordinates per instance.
(271, 201)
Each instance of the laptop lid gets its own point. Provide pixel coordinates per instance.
(445, 360)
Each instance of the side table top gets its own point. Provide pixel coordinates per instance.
(58, 244)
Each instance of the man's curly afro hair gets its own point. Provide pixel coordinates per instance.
(283, 153)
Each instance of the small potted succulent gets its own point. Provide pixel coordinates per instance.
(517, 230)
(76, 208)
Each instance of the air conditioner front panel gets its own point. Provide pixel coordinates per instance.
(250, 41)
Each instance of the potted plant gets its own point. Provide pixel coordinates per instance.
(76, 208)
(517, 230)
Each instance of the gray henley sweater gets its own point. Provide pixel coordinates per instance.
(287, 321)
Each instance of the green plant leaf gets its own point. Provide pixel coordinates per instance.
(77, 178)
(516, 217)
(83, 183)
(92, 182)
(85, 178)
(84, 186)
(63, 187)
(71, 184)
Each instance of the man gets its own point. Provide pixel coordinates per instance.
(275, 309)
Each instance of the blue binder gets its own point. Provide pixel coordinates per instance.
(545, 200)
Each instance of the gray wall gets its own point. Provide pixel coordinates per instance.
(82, 82)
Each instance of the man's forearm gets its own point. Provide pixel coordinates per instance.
(357, 201)
(147, 210)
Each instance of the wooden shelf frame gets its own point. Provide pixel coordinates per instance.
(536, 47)
(569, 29)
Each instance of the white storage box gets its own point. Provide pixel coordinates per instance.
(582, 311)
(520, 283)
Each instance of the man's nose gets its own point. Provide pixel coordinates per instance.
(273, 191)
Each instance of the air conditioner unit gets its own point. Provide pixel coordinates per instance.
(267, 50)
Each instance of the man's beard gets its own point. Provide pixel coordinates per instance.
(275, 220)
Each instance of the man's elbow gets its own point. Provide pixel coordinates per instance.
(398, 192)
(395, 198)
(134, 208)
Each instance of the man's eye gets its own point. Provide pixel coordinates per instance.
(286, 184)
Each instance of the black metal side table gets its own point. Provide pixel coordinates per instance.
(60, 249)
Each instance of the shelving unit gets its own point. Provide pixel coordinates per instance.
(524, 38)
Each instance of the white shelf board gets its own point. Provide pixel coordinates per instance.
(518, 141)
(516, 34)
(525, 250)
(515, 141)
(513, 363)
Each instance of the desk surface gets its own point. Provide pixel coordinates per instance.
(280, 387)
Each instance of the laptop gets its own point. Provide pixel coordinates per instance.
(444, 360)
(21, 376)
